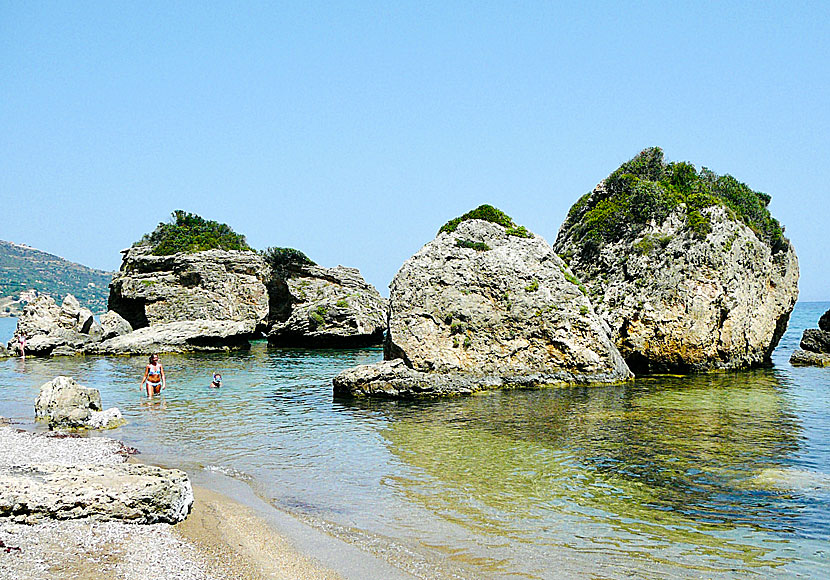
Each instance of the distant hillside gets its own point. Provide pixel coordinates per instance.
(24, 269)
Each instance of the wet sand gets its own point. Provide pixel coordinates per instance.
(236, 543)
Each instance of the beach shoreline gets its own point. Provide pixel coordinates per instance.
(221, 539)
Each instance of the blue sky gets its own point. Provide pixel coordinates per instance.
(354, 130)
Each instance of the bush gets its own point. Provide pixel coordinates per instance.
(190, 233)
(279, 258)
(477, 246)
(647, 188)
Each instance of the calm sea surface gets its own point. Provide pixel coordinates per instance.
(721, 475)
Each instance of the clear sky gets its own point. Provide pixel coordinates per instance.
(354, 130)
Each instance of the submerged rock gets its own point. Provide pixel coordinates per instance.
(312, 306)
(52, 330)
(127, 492)
(815, 345)
(63, 403)
(485, 306)
(674, 269)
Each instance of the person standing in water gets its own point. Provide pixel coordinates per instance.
(217, 381)
(153, 377)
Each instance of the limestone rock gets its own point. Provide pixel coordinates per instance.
(478, 308)
(216, 285)
(816, 340)
(815, 345)
(55, 330)
(125, 492)
(678, 302)
(113, 324)
(63, 403)
(806, 358)
(189, 336)
(313, 306)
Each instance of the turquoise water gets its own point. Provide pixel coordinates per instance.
(721, 475)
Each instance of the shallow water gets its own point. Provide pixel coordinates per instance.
(717, 475)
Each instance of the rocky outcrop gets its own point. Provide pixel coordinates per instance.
(479, 308)
(312, 306)
(65, 404)
(125, 492)
(221, 294)
(815, 345)
(684, 287)
(113, 324)
(187, 336)
(51, 329)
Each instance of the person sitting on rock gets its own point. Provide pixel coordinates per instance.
(217, 381)
(154, 377)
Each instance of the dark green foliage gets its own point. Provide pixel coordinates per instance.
(477, 246)
(190, 233)
(483, 212)
(490, 214)
(280, 258)
(647, 188)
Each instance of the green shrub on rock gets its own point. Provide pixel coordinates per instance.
(648, 188)
(190, 233)
(279, 258)
(488, 213)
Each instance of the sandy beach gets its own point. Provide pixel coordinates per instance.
(221, 538)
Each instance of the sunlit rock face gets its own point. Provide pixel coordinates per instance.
(815, 345)
(220, 285)
(680, 300)
(478, 308)
(313, 306)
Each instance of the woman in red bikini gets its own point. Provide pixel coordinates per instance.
(153, 377)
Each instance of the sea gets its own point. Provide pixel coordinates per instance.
(719, 475)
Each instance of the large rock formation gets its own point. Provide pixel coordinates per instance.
(678, 274)
(127, 492)
(221, 292)
(185, 336)
(815, 345)
(312, 306)
(480, 308)
(64, 404)
(51, 329)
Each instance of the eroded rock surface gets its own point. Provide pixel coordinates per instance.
(478, 308)
(313, 306)
(186, 336)
(64, 403)
(126, 492)
(216, 297)
(815, 345)
(680, 300)
(53, 330)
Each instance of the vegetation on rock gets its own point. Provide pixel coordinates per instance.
(477, 246)
(490, 214)
(190, 233)
(648, 188)
(280, 258)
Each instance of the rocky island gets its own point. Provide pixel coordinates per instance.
(687, 268)
(317, 307)
(195, 285)
(486, 304)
